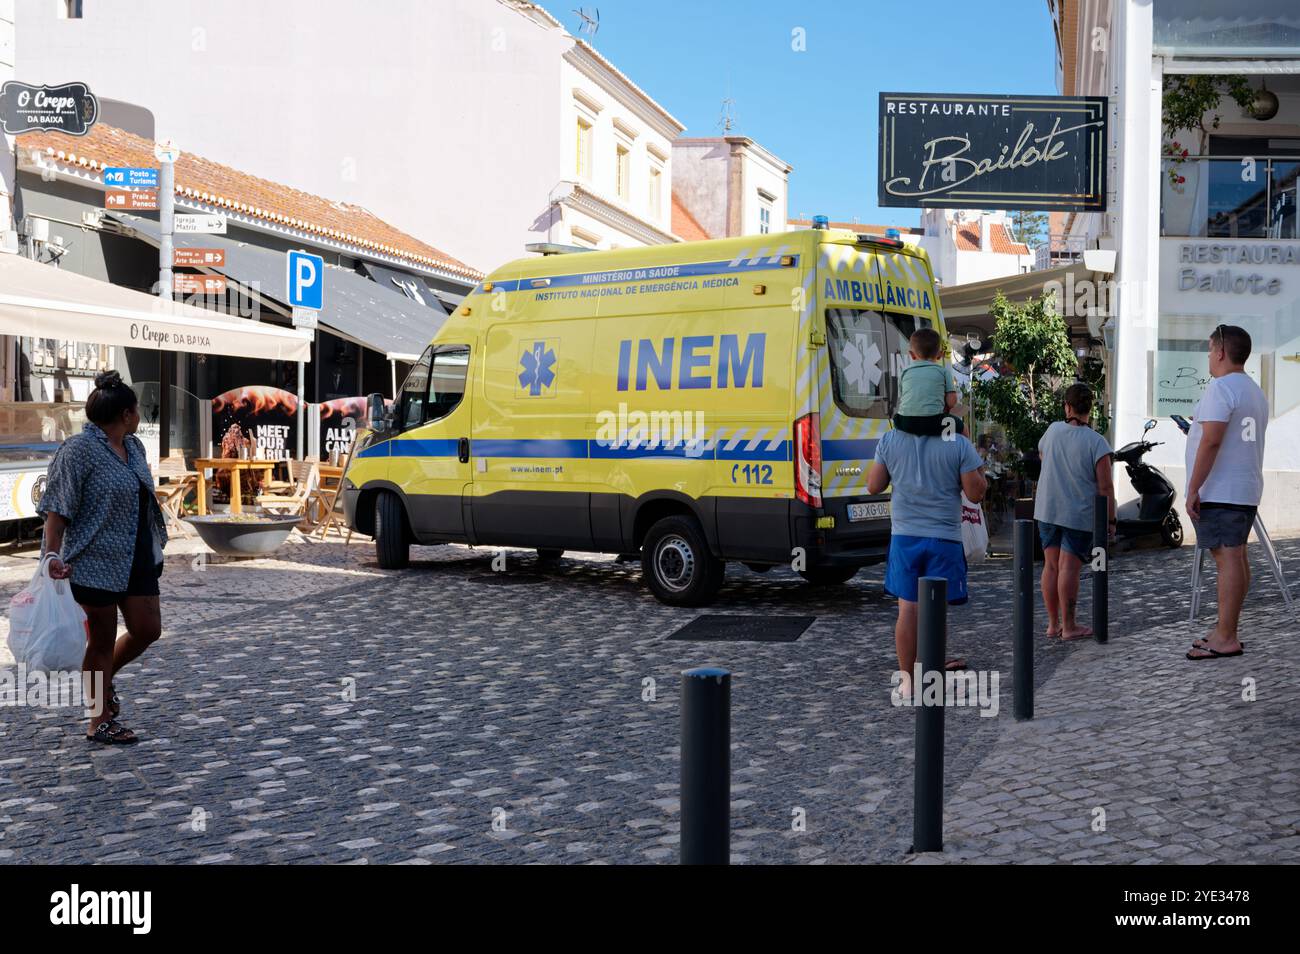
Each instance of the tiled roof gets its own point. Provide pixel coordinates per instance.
(968, 239)
(208, 182)
(684, 224)
(862, 227)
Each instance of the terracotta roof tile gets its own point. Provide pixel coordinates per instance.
(968, 239)
(684, 224)
(202, 180)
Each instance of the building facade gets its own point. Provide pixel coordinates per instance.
(730, 186)
(475, 125)
(1202, 221)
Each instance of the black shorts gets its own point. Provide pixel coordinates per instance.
(1224, 525)
(143, 582)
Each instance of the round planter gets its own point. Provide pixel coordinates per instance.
(236, 537)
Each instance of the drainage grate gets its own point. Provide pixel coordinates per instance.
(747, 629)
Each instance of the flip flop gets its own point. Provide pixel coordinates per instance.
(1085, 633)
(954, 665)
(1051, 635)
(1213, 654)
(1200, 643)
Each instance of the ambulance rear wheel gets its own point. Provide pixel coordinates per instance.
(391, 548)
(549, 555)
(829, 575)
(677, 564)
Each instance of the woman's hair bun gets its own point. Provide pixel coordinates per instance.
(108, 379)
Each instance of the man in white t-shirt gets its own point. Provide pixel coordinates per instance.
(1225, 479)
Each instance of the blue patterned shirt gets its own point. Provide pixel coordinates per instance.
(99, 495)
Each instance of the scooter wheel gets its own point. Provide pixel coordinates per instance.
(1171, 531)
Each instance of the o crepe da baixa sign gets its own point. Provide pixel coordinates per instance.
(71, 108)
(1041, 153)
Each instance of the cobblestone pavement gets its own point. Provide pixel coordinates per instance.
(1137, 756)
(522, 697)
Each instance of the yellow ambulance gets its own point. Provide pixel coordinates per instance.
(694, 404)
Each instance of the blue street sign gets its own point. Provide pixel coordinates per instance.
(143, 178)
(304, 279)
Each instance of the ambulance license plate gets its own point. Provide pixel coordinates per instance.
(868, 511)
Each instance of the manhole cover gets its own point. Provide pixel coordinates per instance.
(750, 629)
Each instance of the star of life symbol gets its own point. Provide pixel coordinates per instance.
(862, 363)
(537, 364)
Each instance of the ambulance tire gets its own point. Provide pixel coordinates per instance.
(677, 565)
(829, 575)
(549, 555)
(391, 548)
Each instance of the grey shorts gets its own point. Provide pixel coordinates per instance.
(1221, 526)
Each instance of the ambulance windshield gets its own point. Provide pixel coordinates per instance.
(868, 350)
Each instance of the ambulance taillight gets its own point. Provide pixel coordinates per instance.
(808, 459)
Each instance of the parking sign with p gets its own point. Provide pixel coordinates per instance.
(305, 280)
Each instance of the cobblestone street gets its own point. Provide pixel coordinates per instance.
(520, 698)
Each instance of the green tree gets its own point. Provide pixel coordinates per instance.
(1034, 341)
(1029, 227)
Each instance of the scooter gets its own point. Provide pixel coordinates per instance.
(1153, 511)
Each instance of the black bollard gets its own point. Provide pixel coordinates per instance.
(1100, 588)
(706, 766)
(1023, 621)
(927, 793)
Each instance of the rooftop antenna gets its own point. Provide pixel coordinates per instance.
(727, 121)
(590, 17)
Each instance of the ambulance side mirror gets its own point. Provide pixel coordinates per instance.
(375, 413)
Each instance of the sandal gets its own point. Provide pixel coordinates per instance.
(114, 707)
(113, 732)
(1210, 653)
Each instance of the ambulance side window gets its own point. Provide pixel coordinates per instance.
(447, 381)
(415, 392)
(435, 385)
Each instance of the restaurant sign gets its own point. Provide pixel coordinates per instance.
(71, 108)
(1039, 153)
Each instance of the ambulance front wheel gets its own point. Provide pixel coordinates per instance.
(391, 548)
(677, 564)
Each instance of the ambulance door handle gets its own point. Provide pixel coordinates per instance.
(463, 450)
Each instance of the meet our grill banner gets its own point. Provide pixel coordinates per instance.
(962, 151)
(266, 417)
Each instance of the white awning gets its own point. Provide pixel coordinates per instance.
(40, 301)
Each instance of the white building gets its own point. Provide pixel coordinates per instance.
(475, 125)
(968, 245)
(1202, 239)
(730, 186)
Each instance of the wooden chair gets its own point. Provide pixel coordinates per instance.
(304, 479)
(328, 496)
(180, 480)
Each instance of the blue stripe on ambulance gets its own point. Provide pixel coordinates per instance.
(849, 450)
(577, 450)
(649, 274)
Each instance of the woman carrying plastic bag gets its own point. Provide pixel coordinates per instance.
(47, 629)
(103, 520)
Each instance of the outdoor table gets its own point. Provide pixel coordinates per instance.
(236, 466)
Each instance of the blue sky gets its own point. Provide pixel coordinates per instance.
(817, 109)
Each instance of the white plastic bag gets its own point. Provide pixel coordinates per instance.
(974, 534)
(47, 629)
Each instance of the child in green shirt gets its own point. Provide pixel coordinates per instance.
(926, 390)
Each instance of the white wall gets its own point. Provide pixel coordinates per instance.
(761, 173)
(615, 121)
(700, 181)
(440, 118)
